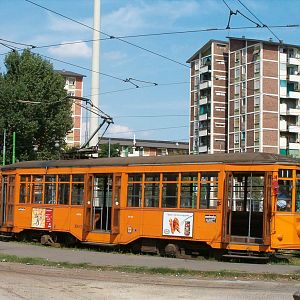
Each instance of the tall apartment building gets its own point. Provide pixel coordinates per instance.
(208, 98)
(255, 106)
(264, 95)
(74, 87)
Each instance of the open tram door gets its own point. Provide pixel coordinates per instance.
(103, 201)
(247, 207)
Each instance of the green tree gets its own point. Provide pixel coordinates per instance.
(31, 78)
(114, 150)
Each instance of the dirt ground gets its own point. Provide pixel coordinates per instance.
(39, 282)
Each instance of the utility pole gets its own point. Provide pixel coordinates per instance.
(95, 84)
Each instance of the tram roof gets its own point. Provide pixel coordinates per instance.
(228, 158)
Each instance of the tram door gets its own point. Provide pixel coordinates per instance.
(101, 209)
(245, 215)
(7, 200)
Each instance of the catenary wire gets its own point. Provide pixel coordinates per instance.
(161, 34)
(264, 25)
(108, 35)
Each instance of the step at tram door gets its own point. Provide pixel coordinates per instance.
(247, 213)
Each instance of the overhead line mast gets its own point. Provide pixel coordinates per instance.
(95, 82)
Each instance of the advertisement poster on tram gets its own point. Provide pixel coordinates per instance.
(178, 224)
(41, 218)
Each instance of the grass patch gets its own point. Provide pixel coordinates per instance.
(223, 274)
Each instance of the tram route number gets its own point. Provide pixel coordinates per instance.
(210, 218)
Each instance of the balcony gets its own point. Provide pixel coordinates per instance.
(294, 61)
(293, 111)
(294, 78)
(203, 132)
(283, 125)
(203, 101)
(294, 128)
(294, 146)
(294, 94)
(207, 84)
(202, 149)
(283, 109)
(283, 142)
(204, 69)
(203, 117)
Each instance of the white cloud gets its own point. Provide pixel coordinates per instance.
(60, 24)
(73, 50)
(144, 15)
(120, 131)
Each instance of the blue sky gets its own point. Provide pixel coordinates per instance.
(159, 112)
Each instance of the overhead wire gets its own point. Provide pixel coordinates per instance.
(106, 34)
(263, 24)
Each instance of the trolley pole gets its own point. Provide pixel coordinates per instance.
(14, 148)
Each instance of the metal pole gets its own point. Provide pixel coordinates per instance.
(108, 147)
(14, 148)
(95, 84)
(4, 148)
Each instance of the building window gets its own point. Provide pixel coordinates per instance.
(256, 68)
(236, 106)
(219, 124)
(256, 102)
(237, 74)
(236, 138)
(71, 81)
(256, 121)
(220, 77)
(220, 62)
(237, 90)
(256, 85)
(236, 123)
(219, 93)
(237, 57)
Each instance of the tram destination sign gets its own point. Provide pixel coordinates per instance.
(178, 224)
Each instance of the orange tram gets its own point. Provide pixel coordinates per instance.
(245, 203)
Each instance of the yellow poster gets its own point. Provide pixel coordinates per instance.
(38, 217)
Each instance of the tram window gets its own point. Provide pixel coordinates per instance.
(298, 174)
(189, 176)
(284, 198)
(77, 178)
(63, 189)
(208, 195)
(37, 189)
(25, 189)
(134, 177)
(188, 195)
(77, 189)
(170, 176)
(50, 189)
(152, 177)
(151, 195)
(285, 173)
(169, 195)
(209, 190)
(297, 208)
(134, 194)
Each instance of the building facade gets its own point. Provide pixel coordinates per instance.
(137, 147)
(208, 98)
(255, 93)
(74, 87)
(264, 94)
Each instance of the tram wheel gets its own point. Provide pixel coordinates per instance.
(172, 250)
